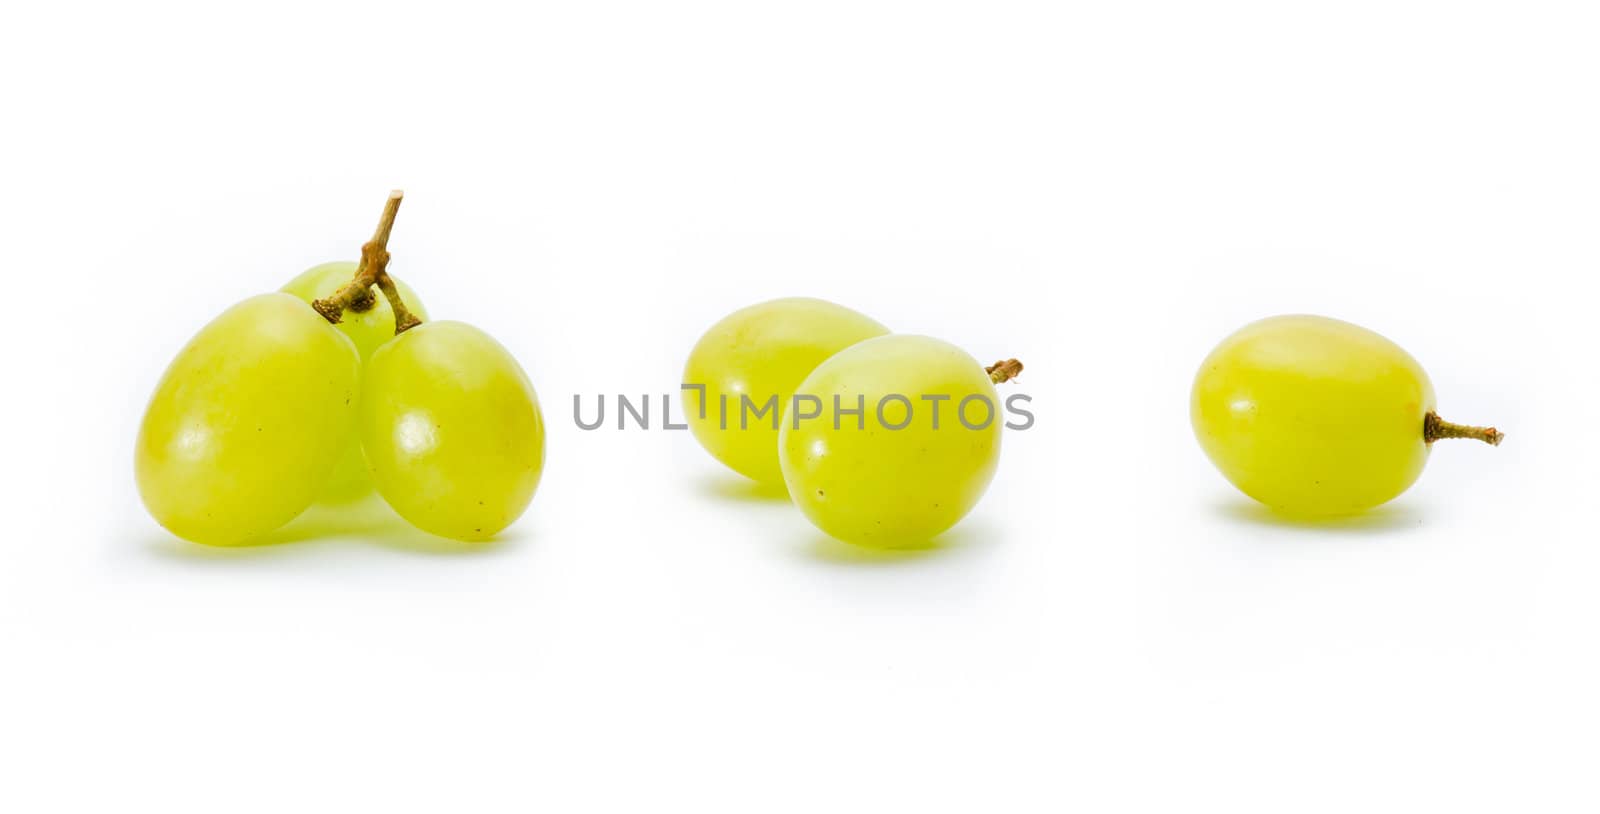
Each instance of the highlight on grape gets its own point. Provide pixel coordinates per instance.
(893, 411)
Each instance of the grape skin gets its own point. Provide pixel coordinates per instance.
(1313, 416)
(871, 485)
(452, 430)
(369, 330)
(762, 351)
(247, 423)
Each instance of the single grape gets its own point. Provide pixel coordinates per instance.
(865, 481)
(368, 329)
(1315, 417)
(761, 354)
(452, 430)
(247, 422)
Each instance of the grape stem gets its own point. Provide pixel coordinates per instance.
(1003, 371)
(373, 270)
(1435, 428)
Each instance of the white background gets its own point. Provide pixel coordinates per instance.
(1101, 189)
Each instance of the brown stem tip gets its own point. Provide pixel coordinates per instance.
(404, 320)
(1004, 370)
(1434, 428)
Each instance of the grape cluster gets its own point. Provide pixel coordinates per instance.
(325, 390)
(868, 438)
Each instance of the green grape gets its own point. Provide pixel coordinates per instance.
(1317, 417)
(452, 430)
(862, 480)
(247, 422)
(761, 353)
(368, 329)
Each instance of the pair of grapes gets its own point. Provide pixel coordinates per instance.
(323, 390)
(904, 469)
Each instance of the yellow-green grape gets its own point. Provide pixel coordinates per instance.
(452, 430)
(865, 479)
(756, 356)
(1314, 417)
(368, 329)
(248, 421)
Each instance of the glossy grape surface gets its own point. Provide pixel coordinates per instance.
(452, 430)
(867, 484)
(1313, 416)
(762, 351)
(368, 329)
(248, 421)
